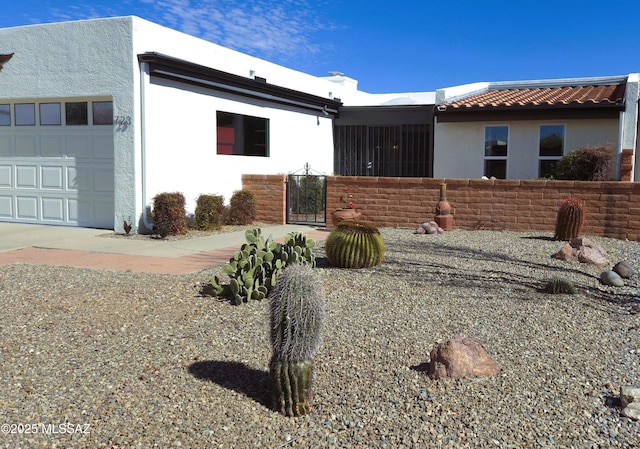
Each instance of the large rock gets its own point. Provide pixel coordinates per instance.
(629, 394)
(611, 278)
(583, 250)
(630, 400)
(461, 357)
(624, 269)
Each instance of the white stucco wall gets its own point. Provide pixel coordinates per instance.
(459, 147)
(181, 142)
(84, 59)
(176, 144)
(179, 152)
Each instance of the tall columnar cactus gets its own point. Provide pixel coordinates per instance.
(354, 244)
(296, 311)
(570, 219)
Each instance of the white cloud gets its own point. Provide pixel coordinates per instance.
(279, 30)
(287, 32)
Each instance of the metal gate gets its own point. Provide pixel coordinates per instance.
(306, 198)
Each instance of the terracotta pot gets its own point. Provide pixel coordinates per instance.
(443, 207)
(339, 215)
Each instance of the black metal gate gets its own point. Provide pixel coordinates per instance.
(306, 198)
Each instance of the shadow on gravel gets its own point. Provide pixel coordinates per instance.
(421, 368)
(236, 376)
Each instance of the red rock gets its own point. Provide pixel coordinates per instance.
(583, 250)
(461, 357)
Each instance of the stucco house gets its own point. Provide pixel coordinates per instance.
(99, 116)
(518, 130)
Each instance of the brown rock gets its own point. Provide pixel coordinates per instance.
(583, 250)
(461, 357)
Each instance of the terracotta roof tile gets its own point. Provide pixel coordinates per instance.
(533, 97)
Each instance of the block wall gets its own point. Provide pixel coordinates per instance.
(612, 208)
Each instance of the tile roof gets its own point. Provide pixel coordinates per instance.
(542, 97)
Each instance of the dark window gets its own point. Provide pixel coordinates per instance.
(76, 113)
(242, 135)
(496, 143)
(496, 168)
(102, 112)
(545, 169)
(496, 139)
(551, 140)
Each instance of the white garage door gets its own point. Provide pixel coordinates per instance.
(56, 163)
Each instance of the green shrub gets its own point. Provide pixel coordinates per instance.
(209, 212)
(242, 208)
(586, 164)
(169, 215)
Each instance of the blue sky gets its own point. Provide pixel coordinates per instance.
(399, 46)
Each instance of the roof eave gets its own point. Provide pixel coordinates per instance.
(191, 73)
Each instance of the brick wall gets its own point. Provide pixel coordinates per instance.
(612, 208)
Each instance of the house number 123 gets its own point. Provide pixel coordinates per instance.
(122, 120)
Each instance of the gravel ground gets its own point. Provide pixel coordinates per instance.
(126, 360)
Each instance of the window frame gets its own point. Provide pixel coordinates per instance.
(546, 158)
(489, 158)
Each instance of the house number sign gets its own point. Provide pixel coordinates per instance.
(123, 120)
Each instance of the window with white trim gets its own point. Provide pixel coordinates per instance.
(551, 148)
(496, 143)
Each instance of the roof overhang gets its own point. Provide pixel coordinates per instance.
(175, 69)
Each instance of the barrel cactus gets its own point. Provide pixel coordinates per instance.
(354, 244)
(570, 219)
(559, 285)
(296, 310)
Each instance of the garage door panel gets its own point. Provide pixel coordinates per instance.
(51, 146)
(6, 172)
(103, 147)
(79, 147)
(53, 209)
(104, 212)
(26, 177)
(26, 146)
(6, 148)
(57, 174)
(103, 180)
(6, 206)
(79, 178)
(27, 207)
(81, 210)
(52, 178)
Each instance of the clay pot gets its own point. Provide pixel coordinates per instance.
(339, 215)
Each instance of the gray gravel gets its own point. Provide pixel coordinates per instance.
(146, 362)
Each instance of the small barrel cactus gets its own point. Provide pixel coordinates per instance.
(560, 286)
(570, 219)
(354, 244)
(296, 312)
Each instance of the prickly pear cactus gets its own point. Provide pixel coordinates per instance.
(570, 219)
(296, 314)
(354, 244)
(254, 268)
